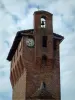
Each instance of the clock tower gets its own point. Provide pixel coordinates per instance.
(35, 61)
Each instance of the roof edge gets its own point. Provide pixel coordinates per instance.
(42, 12)
(18, 38)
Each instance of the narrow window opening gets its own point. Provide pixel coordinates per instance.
(44, 41)
(44, 60)
(55, 47)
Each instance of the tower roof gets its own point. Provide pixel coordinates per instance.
(23, 33)
(42, 12)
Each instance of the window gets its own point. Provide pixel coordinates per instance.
(44, 41)
(44, 60)
(54, 45)
(43, 22)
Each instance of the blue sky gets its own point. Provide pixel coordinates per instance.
(17, 15)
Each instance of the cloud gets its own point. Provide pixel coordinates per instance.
(5, 86)
(18, 15)
(7, 43)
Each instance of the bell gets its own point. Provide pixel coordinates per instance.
(42, 23)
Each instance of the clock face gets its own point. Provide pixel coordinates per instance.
(30, 42)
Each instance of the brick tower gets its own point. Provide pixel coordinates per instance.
(35, 61)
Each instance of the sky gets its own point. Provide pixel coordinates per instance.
(17, 15)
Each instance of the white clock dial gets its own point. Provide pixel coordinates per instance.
(30, 42)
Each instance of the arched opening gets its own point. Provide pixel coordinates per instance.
(43, 22)
(44, 85)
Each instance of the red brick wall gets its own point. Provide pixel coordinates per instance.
(36, 73)
(30, 71)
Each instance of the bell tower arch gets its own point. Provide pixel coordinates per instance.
(43, 35)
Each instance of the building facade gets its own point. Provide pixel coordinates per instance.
(35, 61)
